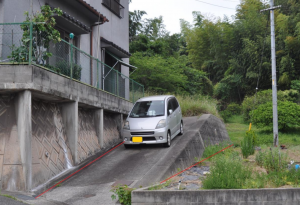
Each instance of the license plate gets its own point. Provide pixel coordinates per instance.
(137, 139)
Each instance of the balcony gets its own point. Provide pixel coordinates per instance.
(115, 7)
(65, 59)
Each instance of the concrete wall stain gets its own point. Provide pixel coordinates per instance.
(111, 129)
(88, 143)
(50, 151)
(11, 172)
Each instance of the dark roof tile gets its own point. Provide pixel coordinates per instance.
(116, 46)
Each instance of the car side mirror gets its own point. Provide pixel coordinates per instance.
(170, 111)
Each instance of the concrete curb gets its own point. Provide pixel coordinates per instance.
(218, 197)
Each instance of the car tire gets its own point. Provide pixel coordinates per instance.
(168, 143)
(181, 129)
(127, 146)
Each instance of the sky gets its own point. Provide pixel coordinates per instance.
(174, 10)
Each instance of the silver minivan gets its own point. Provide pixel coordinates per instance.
(153, 120)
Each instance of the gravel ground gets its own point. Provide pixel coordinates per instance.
(189, 180)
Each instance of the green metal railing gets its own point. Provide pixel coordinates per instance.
(65, 59)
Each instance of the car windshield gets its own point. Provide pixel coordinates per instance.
(148, 109)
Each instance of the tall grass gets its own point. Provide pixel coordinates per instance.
(197, 104)
(272, 160)
(227, 173)
(194, 105)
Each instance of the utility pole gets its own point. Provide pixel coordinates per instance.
(274, 81)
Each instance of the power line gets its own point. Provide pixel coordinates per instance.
(215, 5)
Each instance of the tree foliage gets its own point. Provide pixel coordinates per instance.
(162, 61)
(229, 57)
(236, 53)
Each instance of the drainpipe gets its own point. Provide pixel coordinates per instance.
(91, 47)
(91, 53)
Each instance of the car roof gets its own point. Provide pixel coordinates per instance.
(156, 97)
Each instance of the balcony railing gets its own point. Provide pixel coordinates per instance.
(115, 7)
(66, 60)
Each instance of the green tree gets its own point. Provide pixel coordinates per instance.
(43, 32)
(135, 23)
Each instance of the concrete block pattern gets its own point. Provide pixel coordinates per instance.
(111, 127)
(87, 138)
(49, 142)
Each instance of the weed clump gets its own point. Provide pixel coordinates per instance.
(227, 173)
(124, 194)
(248, 143)
(272, 160)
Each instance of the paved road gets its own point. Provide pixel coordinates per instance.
(93, 184)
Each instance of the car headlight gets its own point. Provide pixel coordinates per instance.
(161, 124)
(126, 126)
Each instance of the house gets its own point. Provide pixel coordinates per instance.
(101, 29)
(56, 112)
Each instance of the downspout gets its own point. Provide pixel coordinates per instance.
(91, 48)
(91, 53)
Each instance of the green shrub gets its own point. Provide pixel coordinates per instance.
(225, 115)
(288, 115)
(272, 160)
(234, 108)
(63, 67)
(227, 173)
(248, 143)
(124, 194)
(253, 102)
(295, 85)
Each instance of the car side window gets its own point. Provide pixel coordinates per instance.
(175, 103)
(170, 106)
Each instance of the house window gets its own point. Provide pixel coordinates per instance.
(115, 7)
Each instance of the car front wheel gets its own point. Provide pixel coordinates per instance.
(168, 143)
(181, 129)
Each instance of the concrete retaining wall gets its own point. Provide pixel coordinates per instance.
(218, 197)
(49, 123)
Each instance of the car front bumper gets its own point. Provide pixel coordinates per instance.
(149, 136)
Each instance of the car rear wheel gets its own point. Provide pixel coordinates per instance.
(168, 143)
(181, 129)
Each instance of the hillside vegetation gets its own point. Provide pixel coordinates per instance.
(226, 59)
